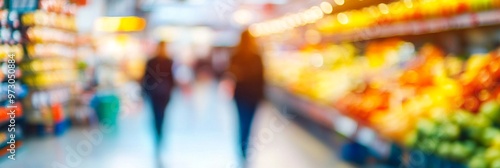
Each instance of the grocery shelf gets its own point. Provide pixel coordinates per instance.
(419, 27)
(329, 117)
(4, 151)
(4, 121)
(4, 116)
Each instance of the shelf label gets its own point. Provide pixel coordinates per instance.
(345, 125)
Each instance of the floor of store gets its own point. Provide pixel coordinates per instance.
(200, 132)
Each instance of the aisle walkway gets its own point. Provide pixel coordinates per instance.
(200, 134)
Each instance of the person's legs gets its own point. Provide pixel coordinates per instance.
(246, 113)
(159, 105)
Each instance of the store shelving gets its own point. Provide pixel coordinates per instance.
(327, 116)
(11, 54)
(50, 67)
(435, 25)
(339, 124)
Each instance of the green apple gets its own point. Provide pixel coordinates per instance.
(477, 162)
(460, 151)
(462, 117)
(495, 163)
(470, 147)
(496, 141)
(491, 154)
(480, 121)
(479, 151)
(474, 133)
(429, 145)
(489, 135)
(449, 131)
(475, 128)
(490, 109)
(445, 149)
(426, 127)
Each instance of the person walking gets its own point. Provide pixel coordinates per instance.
(158, 82)
(247, 72)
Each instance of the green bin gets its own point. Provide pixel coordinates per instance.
(107, 107)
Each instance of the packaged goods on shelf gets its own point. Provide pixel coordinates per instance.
(13, 91)
(17, 50)
(50, 67)
(48, 110)
(47, 34)
(48, 64)
(49, 19)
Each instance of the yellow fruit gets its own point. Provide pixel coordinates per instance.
(477, 62)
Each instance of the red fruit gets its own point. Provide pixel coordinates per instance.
(462, 8)
(484, 79)
(494, 67)
(471, 104)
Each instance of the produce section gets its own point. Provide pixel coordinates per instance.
(411, 73)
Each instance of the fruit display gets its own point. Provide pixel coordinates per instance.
(380, 66)
(438, 100)
(401, 11)
(407, 17)
(423, 98)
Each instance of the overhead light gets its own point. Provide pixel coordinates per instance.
(408, 3)
(339, 2)
(242, 16)
(384, 9)
(255, 30)
(326, 7)
(342, 18)
(316, 60)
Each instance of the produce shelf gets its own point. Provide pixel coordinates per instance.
(330, 118)
(419, 27)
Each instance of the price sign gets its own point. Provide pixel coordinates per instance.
(344, 125)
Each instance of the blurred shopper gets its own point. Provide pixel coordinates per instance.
(158, 82)
(203, 70)
(246, 70)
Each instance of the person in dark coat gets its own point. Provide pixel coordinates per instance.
(247, 70)
(157, 83)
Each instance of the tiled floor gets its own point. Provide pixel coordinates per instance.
(201, 133)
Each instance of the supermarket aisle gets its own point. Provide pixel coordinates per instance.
(201, 134)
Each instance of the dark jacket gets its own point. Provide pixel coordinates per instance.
(248, 70)
(158, 80)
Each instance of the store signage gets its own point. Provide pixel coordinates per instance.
(120, 24)
(80, 2)
(23, 5)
